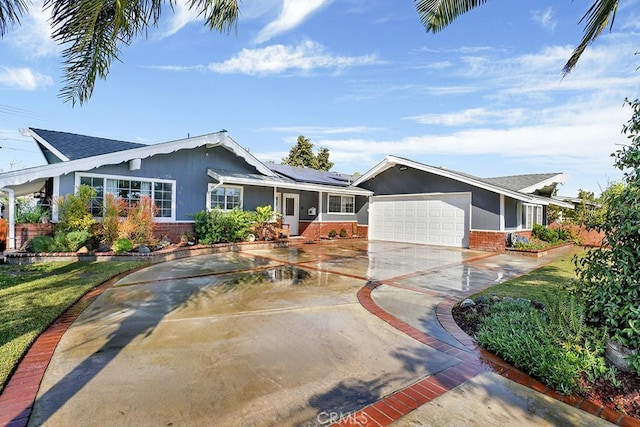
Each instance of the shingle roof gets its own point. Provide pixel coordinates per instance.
(74, 146)
(313, 176)
(519, 182)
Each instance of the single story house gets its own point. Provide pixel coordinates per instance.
(398, 200)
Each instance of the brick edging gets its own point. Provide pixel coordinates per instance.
(19, 394)
(499, 366)
(473, 362)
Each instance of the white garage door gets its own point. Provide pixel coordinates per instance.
(434, 219)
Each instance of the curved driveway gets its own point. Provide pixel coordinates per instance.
(278, 337)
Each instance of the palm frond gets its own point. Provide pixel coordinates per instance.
(220, 15)
(597, 18)
(10, 13)
(435, 15)
(95, 30)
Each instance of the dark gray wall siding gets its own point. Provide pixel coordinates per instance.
(67, 184)
(485, 205)
(510, 212)
(362, 210)
(254, 196)
(187, 167)
(308, 199)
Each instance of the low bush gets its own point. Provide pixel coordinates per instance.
(218, 226)
(553, 344)
(74, 211)
(122, 245)
(77, 239)
(545, 234)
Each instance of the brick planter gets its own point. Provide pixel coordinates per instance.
(492, 241)
(26, 232)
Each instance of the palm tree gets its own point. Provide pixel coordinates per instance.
(93, 31)
(438, 14)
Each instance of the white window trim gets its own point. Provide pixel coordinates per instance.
(212, 187)
(329, 195)
(141, 179)
(534, 215)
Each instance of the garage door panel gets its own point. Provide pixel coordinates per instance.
(428, 219)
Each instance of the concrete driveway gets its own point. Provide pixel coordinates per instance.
(268, 337)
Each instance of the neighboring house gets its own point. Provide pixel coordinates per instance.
(398, 200)
(183, 177)
(418, 203)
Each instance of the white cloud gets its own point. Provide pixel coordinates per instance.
(23, 78)
(292, 14)
(320, 130)
(275, 59)
(472, 116)
(544, 18)
(182, 16)
(33, 37)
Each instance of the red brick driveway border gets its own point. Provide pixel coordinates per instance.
(472, 362)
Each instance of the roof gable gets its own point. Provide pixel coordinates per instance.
(221, 139)
(64, 146)
(484, 183)
(528, 183)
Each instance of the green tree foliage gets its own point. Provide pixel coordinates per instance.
(322, 159)
(438, 14)
(301, 155)
(610, 276)
(92, 32)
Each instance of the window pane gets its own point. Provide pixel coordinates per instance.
(289, 206)
(233, 198)
(334, 203)
(217, 198)
(347, 204)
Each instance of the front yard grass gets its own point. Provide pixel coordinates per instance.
(33, 296)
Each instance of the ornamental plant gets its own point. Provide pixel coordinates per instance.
(610, 275)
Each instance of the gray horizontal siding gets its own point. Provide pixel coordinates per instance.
(485, 205)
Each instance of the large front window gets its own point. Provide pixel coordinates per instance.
(341, 204)
(532, 215)
(224, 197)
(131, 191)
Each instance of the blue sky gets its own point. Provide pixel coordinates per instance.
(363, 78)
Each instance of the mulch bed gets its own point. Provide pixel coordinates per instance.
(625, 399)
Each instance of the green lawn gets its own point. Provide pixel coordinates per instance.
(33, 296)
(539, 285)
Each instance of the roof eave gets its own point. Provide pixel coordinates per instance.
(391, 161)
(560, 178)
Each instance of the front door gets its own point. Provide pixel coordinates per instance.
(291, 212)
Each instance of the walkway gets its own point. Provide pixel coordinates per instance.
(279, 337)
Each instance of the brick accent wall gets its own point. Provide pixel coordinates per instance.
(26, 232)
(586, 237)
(492, 241)
(316, 230)
(172, 230)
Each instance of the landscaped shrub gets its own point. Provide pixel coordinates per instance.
(553, 345)
(343, 232)
(332, 234)
(217, 226)
(265, 227)
(122, 245)
(77, 239)
(40, 244)
(545, 234)
(113, 210)
(74, 212)
(27, 214)
(139, 222)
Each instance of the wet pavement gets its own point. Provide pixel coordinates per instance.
(281, 337)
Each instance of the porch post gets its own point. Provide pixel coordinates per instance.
(12, 218)
(502, 221)
(275, 197)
